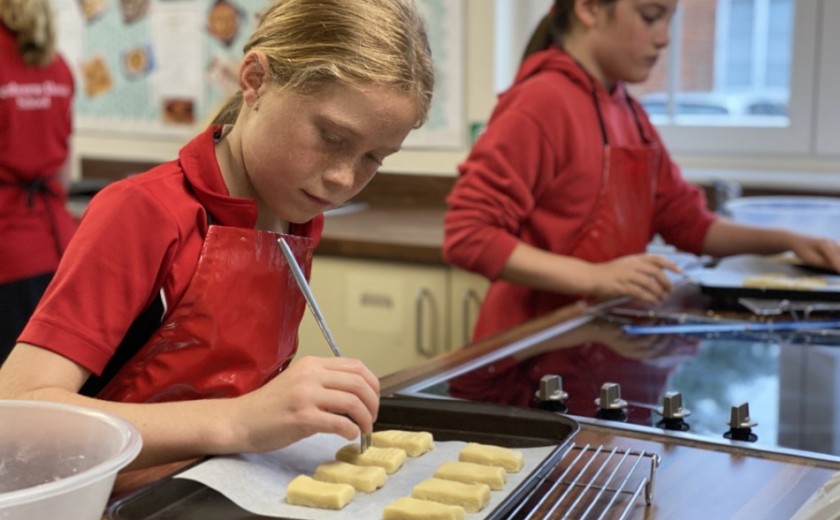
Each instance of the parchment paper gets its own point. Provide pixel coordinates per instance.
(257, 482)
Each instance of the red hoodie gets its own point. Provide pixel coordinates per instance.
(536, 170)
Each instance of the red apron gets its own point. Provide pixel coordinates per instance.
(620, 223)
(234, 329)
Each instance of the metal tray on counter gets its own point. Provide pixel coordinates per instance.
(448, 420)
(724, 282)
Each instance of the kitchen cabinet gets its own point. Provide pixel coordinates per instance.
(391, 315)
(466, 292)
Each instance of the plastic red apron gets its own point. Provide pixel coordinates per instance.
(620, 223)
(234, 329)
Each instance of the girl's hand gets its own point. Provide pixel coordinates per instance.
(820, 252)
(640, 276)
(313, 395)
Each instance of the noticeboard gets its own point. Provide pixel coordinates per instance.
(164, 67)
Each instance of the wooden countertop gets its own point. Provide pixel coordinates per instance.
(410, 234)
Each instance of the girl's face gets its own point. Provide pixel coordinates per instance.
(628, 37)
(304, 154)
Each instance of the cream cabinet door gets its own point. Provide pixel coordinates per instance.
(466, 292)
(390, 315)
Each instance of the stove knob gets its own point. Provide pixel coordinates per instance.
(610, 405)
(551, 396)
(740, 424)
(672, 412)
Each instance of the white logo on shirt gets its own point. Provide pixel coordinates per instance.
(34, 96)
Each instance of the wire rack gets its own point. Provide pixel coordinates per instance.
(593, 483)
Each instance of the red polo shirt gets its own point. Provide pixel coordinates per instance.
(139, 236)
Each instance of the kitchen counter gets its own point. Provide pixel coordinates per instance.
(700, 476)
(411, 234)
(697, 478)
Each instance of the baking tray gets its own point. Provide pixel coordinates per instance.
(724, 282)
(448, 420)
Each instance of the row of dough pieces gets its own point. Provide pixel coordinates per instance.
(456, 488)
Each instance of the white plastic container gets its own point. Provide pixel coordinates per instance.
(59, 461)
(819, 216)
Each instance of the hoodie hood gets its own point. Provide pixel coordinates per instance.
(555, 59)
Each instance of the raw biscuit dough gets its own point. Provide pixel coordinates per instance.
(472, 497)
(363, 478)
(414, 443)
(389, 458)
(511, 460)
(471, 473)
(783, 281)
(306, 491)
(408, 508)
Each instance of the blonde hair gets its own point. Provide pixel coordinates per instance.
(312, 44)
(32, 23)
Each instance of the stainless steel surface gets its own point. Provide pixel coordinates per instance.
(744, 326)
(597, 483)
(316, 311)
(763, 307)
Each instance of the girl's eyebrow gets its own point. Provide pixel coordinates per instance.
(350, 129)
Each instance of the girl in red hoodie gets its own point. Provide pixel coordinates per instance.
(562, 193)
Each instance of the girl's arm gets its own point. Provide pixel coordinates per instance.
(331, 395)
(726, 238)
(641, 276)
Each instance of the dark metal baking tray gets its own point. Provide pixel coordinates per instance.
(724, 282)
(182, 499)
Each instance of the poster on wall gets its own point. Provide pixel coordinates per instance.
(158, 68)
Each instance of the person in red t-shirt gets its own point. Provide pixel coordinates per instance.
(36, 94)
(560, 196)
(174, 306)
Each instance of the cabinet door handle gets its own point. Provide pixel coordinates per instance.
(470, 301)
(420, 346)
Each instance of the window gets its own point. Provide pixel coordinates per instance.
(734, 63)
(744, 83)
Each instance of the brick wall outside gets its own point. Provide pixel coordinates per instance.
(697, 48)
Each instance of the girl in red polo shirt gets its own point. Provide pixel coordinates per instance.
(174, 306)
(562, 193)
(36, 94)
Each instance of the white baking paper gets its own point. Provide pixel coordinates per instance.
(257, 482)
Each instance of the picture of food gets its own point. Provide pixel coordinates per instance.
(91, 9)
(96, 76)
(134, 10)
(179, 111)
(137, 62)
(223, 21)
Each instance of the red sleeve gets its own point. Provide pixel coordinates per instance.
(113, 268)
(499, 181)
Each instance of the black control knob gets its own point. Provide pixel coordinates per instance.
(551, 396)
(672, 412)
(611, 406)
(740, 424)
